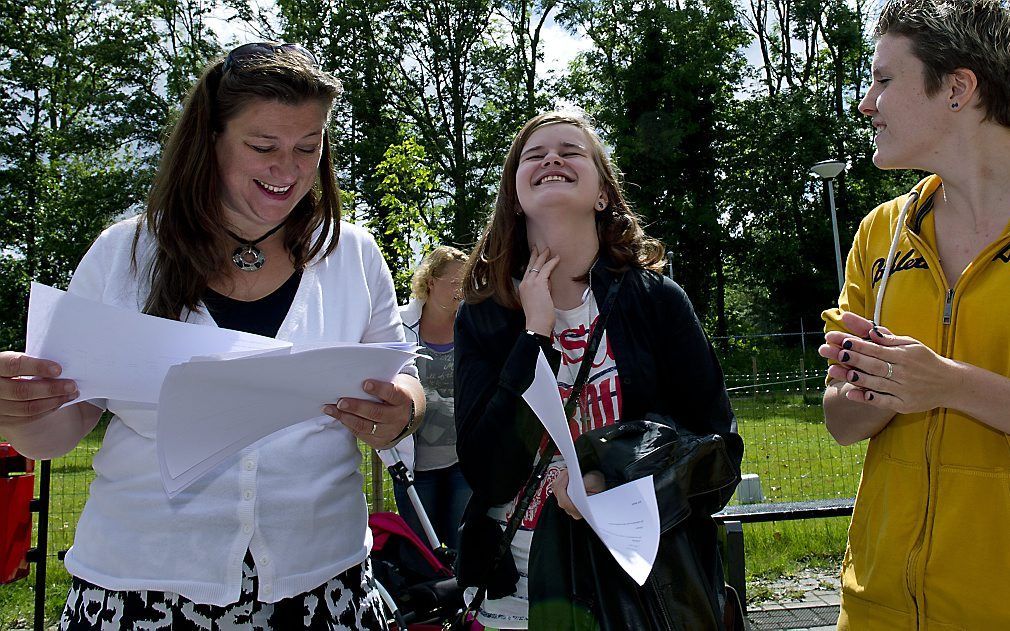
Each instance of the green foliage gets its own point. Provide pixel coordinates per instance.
(660, 81)
(411, 221)
(86, 90)
(74, 97)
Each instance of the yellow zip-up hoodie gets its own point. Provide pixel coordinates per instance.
(929, 542)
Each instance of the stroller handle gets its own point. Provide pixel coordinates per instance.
(399, 471)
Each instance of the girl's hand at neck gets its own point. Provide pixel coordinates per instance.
(535, 292)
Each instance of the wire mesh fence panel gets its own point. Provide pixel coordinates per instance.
(786, 445)
(775, 386)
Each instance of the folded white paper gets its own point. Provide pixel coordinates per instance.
(626, 517)
(218, 391)
(114, 353)
(210, 410)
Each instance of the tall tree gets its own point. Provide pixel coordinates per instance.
(660, 79)
(815, 59)
(74, 103)
(83, 100)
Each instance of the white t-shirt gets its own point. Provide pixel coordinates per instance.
(599, 405)
(293, 499)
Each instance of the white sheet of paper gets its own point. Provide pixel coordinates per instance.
(113, 353)
(218, 408)
(626, 517)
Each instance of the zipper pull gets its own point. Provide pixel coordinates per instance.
(948, 306)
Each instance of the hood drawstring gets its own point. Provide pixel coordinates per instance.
(913, 197)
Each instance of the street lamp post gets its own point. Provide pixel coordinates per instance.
(827, 171)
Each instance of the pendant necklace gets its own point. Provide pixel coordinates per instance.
(247, 257)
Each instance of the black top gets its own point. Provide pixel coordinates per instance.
(262, 317)
(665, 362)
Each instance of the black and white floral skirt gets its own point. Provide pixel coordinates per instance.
(347, 602)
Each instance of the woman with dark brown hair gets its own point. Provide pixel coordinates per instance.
(242, 231)
(560, 236)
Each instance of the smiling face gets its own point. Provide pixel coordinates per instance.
(557, 174)
(909, 124)
(268, 159)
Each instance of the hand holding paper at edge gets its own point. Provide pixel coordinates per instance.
(626, 517)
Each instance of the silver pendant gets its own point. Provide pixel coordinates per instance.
(248, 258)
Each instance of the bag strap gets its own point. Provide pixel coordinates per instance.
(547, 455)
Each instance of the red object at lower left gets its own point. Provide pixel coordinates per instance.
(16, 493)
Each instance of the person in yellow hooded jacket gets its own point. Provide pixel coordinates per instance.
(919, 344)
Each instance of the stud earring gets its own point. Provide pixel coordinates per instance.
(953, 106)
(600, 205)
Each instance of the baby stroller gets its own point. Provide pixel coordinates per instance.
(415, 579)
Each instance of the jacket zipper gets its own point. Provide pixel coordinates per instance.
(661, 603)
(932, 420)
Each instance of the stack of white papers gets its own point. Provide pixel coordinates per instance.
(218, 391)
(214, 409)
(626, 517)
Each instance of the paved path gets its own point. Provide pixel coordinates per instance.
(805, 602)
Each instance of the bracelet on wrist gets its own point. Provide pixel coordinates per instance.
(411, 424)
(540, 338)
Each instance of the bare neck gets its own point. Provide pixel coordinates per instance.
(436, 323)
(976, 177)
(577, 247)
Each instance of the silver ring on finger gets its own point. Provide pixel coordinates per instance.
(890, 370)
(533, 269)
(374, 426)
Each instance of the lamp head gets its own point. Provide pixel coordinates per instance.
(828, 169)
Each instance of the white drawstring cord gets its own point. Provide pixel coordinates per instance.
(913, 197)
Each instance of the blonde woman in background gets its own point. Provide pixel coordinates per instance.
(428, 321)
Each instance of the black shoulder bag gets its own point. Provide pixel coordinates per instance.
(461, 622)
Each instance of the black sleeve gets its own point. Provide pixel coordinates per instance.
(693, 376)
(497, 434)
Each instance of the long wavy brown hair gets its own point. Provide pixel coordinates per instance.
(184, 214)
(503, 250)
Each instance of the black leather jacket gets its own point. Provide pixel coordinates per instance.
(665, 362)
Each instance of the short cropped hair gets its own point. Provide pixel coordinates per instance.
(951, 34)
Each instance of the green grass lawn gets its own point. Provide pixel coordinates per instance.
(785, 444)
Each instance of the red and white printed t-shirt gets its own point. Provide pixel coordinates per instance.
(599, 405)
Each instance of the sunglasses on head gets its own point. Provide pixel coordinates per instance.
(264, 49)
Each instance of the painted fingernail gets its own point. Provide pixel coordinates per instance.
(877, 331)
(869, 395)
(845, 357)
(847, 345)
(854, 377)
